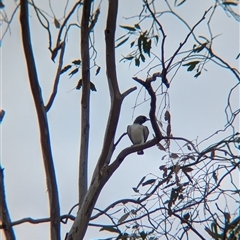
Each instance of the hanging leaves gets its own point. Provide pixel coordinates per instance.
(160, 147)
(142, 57)
(197, 74)
(191, 65)
(173, 197)
(147, 44)
(129, 28)
(137, 62)
(122, 42)
(74, 71)
(173, 155)
(123, 217)
(92, 87)
(79, 85)
(77, 62)
(97, 71)
(65, 69)
(128, 57)
(137, 26)
(167, 116)
(187, 169)
(57, 23)
(149, 182)
(141, 181)
(199, 48)
(110, 229)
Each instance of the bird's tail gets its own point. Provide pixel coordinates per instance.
(140, 152)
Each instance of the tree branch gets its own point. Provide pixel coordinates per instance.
(4, 214)
(43, 123)
(85, 102)
(56, 81)
(80, 224)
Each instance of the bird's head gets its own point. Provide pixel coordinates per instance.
(141, 119)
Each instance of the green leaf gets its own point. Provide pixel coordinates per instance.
(180, 2)
(156, 38)
(92, 87)
(137, 62)
(149, 182)
(143, 235)
(123, 217)
(56, 23)
(65, 69)
(97, 71)
(137, 26)
(122, 42)
(173, 197)
(199, 48)
(147, 45)
(141, 181)
(79, 84)
(76, 62)
(135, 190)
(129, 28)
(109, 229)
(191, 65)
(142, 57)
(173, 155)
(187, 169)
(128, 57)
(74, 71)
(160, 147)
(197, 74)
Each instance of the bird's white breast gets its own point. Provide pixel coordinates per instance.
(136, 133)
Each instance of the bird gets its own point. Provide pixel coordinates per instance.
(138, 133)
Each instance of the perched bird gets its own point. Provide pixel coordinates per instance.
(138, 133)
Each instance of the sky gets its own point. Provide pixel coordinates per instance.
(196, 106)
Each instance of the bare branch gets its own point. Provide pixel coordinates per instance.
(65, 22)
(43, 123)
(63, 219)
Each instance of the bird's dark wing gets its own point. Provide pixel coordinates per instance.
(129, 132)
(145, 133)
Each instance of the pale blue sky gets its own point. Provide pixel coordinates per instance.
(196, 105)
